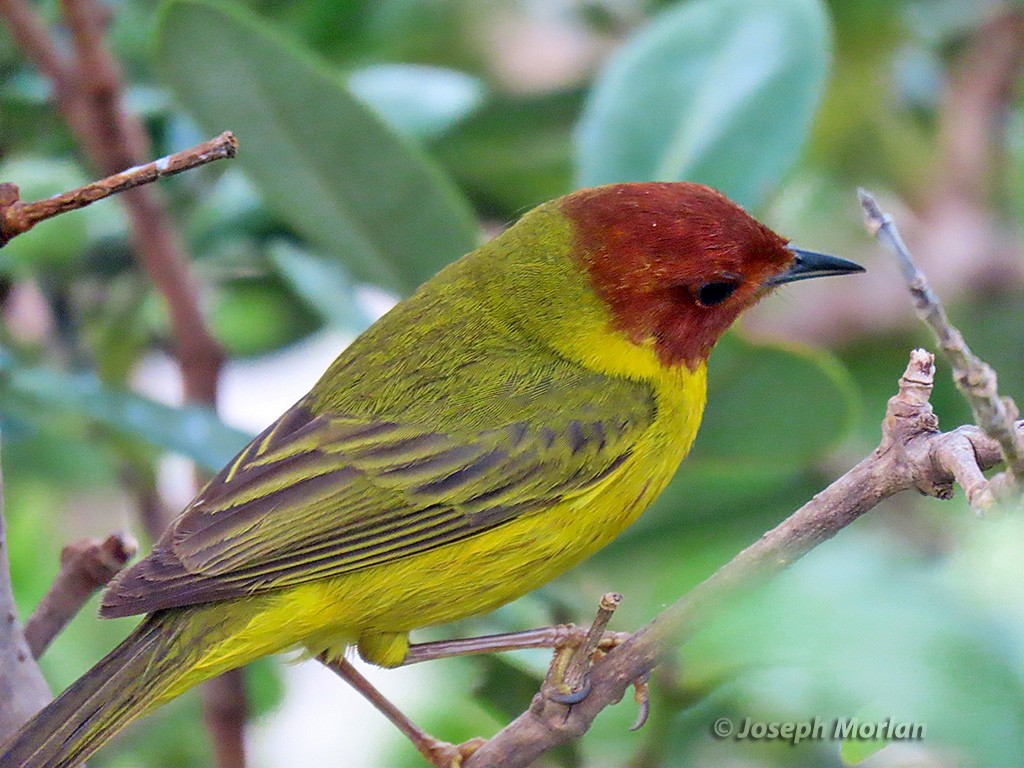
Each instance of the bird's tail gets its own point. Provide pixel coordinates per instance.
(163, 657)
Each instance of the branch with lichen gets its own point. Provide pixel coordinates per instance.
(23, 690)
(973, 377)
(85, 567)
(18, 217)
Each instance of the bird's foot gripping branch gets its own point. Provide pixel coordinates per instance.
(568, 678)
(205, 594)
(912, 454)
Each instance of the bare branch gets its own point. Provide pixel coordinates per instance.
(89, 94)
(225, 709)
(17, 217)
(85, 567)
(973, 377)
(32, 38)
(908, 456)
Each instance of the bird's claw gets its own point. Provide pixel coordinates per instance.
(443, 754)
(642, 697)
(563, 694)
(568, 680)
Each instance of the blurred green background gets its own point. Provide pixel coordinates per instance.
(381, 139)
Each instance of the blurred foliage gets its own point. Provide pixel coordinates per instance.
(717, 92)
(328, 165)
(376, 138)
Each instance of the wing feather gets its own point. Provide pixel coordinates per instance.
(317, 496)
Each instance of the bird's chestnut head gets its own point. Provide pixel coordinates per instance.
(676, 262)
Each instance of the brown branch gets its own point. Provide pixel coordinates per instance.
(974, 378)
(17, 216)
(89, 94)
(23, 690)
(85, 568)
(115, 139)
(225, 710)
(34, 41)
(911, 454)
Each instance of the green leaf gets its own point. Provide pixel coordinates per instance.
(720, 92)
(514, 152)
(192, 431)
(321, 159)
(873, 628)
(772, 406)
(773, 409)
(853, 751)
(322, 283)
(264, 686)
(255, 316)
(418, 101)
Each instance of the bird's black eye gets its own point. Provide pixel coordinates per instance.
(710, 294)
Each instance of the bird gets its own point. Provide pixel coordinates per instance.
(492, 430)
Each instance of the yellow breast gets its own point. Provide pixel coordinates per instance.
(488, 570)
(381, 604)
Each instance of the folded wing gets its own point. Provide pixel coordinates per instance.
(318, 496)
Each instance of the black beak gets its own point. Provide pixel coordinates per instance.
(808, 264)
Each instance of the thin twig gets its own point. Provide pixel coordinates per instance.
(89, 94)
(576, 670)
(85, 568)
(910, 455)
(974, 378)
(17, 216)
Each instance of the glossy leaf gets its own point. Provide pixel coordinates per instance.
(321, 159)
(753, 417)
(255, 316)
(322, 284)
(720, 92)
(514, 152)
(192, 431)
(757, 439)
(418, 101)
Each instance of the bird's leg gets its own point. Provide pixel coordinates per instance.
(568, 680)
(559, 636)
(438, 753)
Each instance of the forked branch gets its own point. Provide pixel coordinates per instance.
(912, 454)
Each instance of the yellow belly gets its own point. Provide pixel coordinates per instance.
(380, 605)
